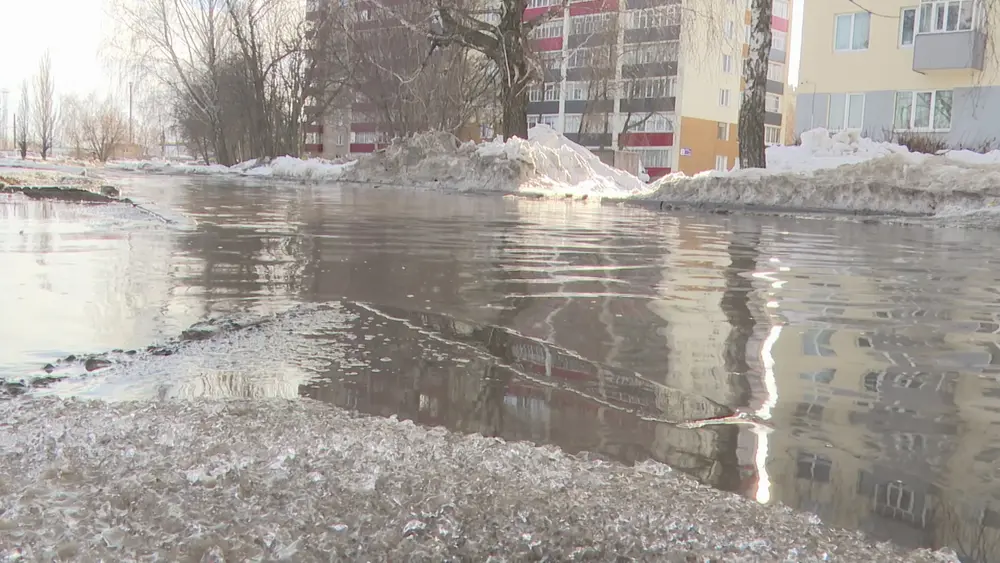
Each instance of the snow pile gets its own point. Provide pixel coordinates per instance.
(291, 168)
(547, 163)
(170, 167)
(845, 173)
(821, 149)
(284, 168)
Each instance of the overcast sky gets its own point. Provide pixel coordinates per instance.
(72, 31)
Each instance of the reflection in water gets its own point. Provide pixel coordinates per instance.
(858, 362)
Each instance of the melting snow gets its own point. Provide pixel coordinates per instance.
(98, 481)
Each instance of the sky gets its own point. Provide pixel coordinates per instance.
(72, 31)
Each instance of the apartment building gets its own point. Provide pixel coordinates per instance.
(654, 77)
(894, 66)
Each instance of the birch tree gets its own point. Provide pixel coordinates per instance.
(45, 114)
(752, 108)
(23, 120)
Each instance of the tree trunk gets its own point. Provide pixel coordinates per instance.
(515, 112)
(752, 108)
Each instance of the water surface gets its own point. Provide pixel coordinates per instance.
(862, 360)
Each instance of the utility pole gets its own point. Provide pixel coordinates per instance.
(130, 140)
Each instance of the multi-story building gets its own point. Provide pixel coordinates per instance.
(650, 76)
(654, 77)
(900, 66)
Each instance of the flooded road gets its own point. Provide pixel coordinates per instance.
(852, 369)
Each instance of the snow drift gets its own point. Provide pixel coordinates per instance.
(847, 173)
(282, 168)
(547, 163)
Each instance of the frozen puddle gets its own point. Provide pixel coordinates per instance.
(301, 481)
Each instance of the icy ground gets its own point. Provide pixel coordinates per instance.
(302, 481)
(65, 177)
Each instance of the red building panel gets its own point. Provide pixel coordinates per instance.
(593, 7)
(362, 147)
(655, 173)
(532, 13)
(779, 24)
(363, 127)
(548, 44)
(314, 128)
(647, 140)
(315, 149)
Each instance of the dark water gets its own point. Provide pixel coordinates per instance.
(863, 359)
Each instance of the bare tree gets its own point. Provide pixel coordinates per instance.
(46, 114)
(71, 123)
(751, 125)
(506, 43)
(24, 119)
(103, 126)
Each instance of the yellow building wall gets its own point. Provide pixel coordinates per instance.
(885, 65)
(701, 136)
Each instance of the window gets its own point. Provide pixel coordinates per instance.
(779, 9)
(655, 158)
(772, 135)
(366, 138)
(775, 71)
(535, 94)
(551, 60)
(721, 163)
(314, 138)
(571, 123)
(724, 96)
(549, 120)
(730, 29)
(551, 92)
(653, 18)
(727, 64)
(722, 131)
(779, 40)
(929, 111)
(651, 88)
(938, 16)
(532, 121)
(649, 123)
(846, 112)
(548, 30)
(576, 91)
(589, 57)
(542, 3)
(340, 138)
(662, 52)
(851, 32)
(772, 103)
(589, 24)
(907, 26)
(747, 29)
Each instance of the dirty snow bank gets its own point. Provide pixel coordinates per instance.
(65, 177)
(546, 164)
(282, 168)
(843, 172)
(302, 481)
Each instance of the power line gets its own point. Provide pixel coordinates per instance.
(871, 12)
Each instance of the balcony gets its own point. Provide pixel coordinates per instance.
(949, 50)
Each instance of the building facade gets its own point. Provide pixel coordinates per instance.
(907, 66)
(655, 77)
